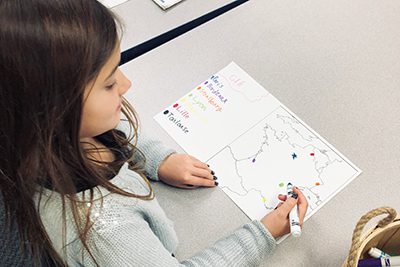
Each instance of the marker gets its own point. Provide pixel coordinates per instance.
(294, 221)
(377, 253)
(382, 262)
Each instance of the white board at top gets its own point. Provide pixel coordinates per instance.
(112, 3)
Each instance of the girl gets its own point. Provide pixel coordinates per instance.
(71, 167)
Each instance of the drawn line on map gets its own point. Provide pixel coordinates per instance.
(243, 133)
(319, 138)
(316, 200)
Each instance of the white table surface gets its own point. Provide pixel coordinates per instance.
(336, 64)
(144, 19)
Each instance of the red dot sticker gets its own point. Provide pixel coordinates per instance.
(175, 105)
(312, 154)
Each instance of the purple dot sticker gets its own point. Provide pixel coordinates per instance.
(254, 160)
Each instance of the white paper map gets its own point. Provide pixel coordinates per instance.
(255, 144)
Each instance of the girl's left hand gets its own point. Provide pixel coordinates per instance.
(185, 171)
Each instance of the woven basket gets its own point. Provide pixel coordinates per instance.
(385, 235)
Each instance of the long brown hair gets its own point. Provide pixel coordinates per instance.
(50, 50)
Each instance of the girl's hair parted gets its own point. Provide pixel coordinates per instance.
(50, 50)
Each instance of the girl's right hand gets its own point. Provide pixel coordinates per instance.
(277, 221)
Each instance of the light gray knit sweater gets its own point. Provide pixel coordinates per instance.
(133, 232)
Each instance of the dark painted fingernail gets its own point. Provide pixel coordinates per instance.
(215, 177)
(190, 185)
(295, 196)
(216, 183)
(212, 172)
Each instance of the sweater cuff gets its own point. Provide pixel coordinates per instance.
(265, 237)
(154, 160)
(155, 152)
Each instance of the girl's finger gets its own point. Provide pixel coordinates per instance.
(188, 186)
(202, 173)
(198, 181)
(282, 197)
(302, 204)
(197, 163)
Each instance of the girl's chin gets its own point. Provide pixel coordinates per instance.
(117, 120)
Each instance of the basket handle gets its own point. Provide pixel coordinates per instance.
(356, 239)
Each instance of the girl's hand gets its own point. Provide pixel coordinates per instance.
(277, 221)
(185, 171)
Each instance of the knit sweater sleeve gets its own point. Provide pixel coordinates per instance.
(247, 246)
(149, 150)
(133, 243)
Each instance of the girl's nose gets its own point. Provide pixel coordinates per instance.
(124, 82)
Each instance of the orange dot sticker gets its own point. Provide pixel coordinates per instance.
(198, 88)
(317, 183)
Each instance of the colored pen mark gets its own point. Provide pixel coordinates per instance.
(198, 88)
(264, 199)
(174, 106)
(317, 183)
(281, 184)
(312, 154)
(254, 160)
(294, 156)
(205, 82)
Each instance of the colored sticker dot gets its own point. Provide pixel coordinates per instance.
(317, 183)
(206, 82)
(198, 88)
(254, 160)
(175, 105)
(312, 154)
(281, 184)
(166, 112)
(264, 199)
